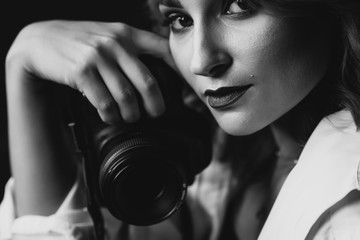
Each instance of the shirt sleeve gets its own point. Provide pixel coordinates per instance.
(65, 224)
(69, 223)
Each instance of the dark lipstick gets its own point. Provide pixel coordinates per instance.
(225, 96)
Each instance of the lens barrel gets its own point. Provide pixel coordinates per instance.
(140, 180)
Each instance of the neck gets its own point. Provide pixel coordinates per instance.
(288, 147)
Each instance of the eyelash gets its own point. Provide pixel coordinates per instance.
(171, 17)
(244, 13)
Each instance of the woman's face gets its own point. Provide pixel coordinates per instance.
(248, 66)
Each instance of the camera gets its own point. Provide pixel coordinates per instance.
(140, 171)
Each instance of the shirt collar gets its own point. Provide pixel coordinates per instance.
(326, 172)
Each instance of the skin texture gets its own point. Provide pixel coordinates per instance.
(282, 59)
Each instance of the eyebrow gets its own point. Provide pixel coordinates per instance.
(171, 3)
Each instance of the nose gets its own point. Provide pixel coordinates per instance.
(209, 57)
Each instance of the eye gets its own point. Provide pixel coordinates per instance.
(177, 22)
(238, 7)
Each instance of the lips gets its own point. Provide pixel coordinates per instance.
(225, 96)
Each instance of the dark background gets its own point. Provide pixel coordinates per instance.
(17, 15)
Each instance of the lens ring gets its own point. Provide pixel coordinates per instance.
(122, 168)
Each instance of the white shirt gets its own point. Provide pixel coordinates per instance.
(326, 173)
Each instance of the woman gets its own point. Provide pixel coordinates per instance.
(290, 66)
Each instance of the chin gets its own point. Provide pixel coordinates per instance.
(238, 125)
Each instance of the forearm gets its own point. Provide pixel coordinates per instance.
(41, 161)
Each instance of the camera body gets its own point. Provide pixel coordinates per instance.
(140, 171)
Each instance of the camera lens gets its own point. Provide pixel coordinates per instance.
(140, 182)
(147, 184)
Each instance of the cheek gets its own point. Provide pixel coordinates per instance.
(178, 53)
(288, 61)
(298, 57)
(181, 51)
(288, 57)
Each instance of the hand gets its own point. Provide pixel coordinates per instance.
(98, 59)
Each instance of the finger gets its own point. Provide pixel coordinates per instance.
(154, 44)
(143, 80)
(93, 87)
(147, 86)
(120, 89)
